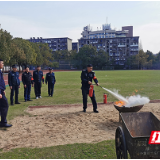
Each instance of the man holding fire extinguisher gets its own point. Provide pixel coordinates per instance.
(86, 77)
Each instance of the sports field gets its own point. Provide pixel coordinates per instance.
(67, 91)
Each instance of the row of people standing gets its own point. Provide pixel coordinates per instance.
(14, 83)
(28, 80)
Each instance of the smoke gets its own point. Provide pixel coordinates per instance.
(131, 101)
(115, 94)
(137, 100)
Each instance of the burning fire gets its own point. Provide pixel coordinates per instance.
(119, 103)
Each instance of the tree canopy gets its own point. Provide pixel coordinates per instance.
(22, 52)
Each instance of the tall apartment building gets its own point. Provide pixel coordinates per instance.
(119, 44)
(55, 44)
(75, 46)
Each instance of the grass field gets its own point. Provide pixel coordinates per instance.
(102, 150)
(67, 91)
(67, 88)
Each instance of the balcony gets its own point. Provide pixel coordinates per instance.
(134, 45)
(121, 45)
(134, 49)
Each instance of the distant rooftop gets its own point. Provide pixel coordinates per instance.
(50, 38)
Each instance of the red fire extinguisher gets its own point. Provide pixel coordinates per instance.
(91, 90)
(105, 98)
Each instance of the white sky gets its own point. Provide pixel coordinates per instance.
(67, 19)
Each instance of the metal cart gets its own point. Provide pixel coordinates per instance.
(133, 136)
(127, 109)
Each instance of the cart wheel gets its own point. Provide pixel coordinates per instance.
(120, 144)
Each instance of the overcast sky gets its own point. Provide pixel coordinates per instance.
(67, 19)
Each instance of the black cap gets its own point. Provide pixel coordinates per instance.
(89, 65)
(26, 66)
(50, 68)
(38, 66)
(1, 60)
(14, 66)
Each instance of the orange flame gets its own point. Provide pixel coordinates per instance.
(119, 103)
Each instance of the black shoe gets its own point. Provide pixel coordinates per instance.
(5, 125)
(29, 100)
(12, 104)
(84, 110)
(25, 100)
(17, 103)
(95, 111)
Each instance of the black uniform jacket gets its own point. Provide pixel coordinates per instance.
(13, 78)
(50, 78)
(38, 76)
(2, 83)
(27, 78)
(85, 77)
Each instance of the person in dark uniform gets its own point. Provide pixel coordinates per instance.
(14, 84)
(87, 76)
(38, 77)
(50, 78)
(27, 80)
(3, 100)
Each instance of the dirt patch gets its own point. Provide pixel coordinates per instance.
(64, 124)
(65, 106)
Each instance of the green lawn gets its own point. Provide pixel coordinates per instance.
(67, 88)
(105, 149)
(67, 91)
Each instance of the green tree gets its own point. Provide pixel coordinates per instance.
(5, 45)
(54, 64)
(46, 54)
(100, 60)
(142, 59)
(132, 62)
(86, 55)
(39, 57)
(26, 47)
(57, 55)
(17, 55)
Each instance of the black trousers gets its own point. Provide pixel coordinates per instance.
(3, 108)
(50, 89)
(15, 89)
(85, 93)
(37, 89)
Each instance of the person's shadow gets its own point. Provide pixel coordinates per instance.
(3, 129)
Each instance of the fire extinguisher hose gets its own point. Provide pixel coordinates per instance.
(101, 87)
